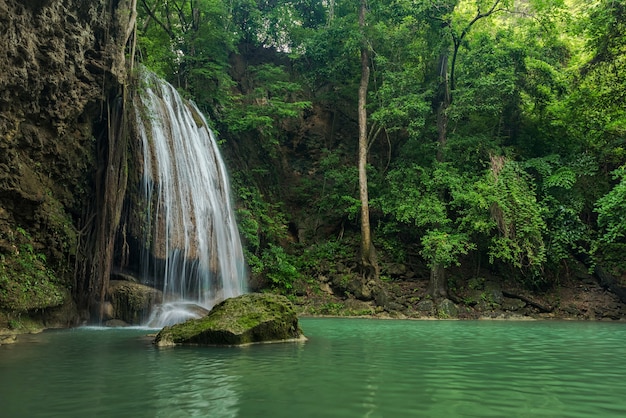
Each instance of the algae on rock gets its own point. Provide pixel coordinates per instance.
(247, 319)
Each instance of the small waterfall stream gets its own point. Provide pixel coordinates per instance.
(191, 230)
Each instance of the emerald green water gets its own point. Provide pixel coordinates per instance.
(348, 368)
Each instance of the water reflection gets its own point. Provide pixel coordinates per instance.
(189, 382)
(348, 368)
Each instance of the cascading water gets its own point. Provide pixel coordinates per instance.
(194, 250)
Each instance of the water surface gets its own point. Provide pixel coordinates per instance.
(348, 368)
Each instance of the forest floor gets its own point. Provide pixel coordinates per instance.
(572, 299)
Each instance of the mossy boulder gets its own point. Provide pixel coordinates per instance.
(447, 309)
(132, 302)
(26, 283)
(248, 319)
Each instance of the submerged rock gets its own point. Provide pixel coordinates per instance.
(247, 319)
(8, 339)
(115, 323)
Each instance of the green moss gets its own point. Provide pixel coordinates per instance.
(19, 324)
(60, 225)
(245, 319)
(132, 301)
(26, 283)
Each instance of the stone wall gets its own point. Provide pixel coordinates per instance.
(61, 61)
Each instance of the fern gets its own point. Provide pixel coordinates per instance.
(564, 177)
(611, 210)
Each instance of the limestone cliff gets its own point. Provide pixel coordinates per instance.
(61, 63)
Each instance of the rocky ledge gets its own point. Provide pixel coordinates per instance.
(248, 319)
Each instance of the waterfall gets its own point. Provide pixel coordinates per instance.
(193, 248)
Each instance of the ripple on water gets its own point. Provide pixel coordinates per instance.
(348, 368)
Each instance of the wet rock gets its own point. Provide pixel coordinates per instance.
(381, 297)
(132, 302)
(63, 316)
(394, 306)
(447, 309)
(352, 285)
(115, 323)
(175, 312)
(511, 304)
(246, 319)
(396, 269)
(51, 112)
(359, 287)
(8, 339)
(493, 291)
(358, 306)
(103, 310)
(325, 287)
(426, 306)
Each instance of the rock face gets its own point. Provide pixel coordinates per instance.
(61, 62)
(247, 319)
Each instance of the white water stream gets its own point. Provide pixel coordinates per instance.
(192, 229)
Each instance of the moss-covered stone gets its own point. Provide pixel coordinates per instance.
(132, 302)
(447, 309)
(26, 283)
(247, 319)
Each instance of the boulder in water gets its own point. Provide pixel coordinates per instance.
(247, 319)
(175, 312)
(132, 302)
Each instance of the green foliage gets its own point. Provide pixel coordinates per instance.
(339, 192)
(277, 266)
(411, 198)
(543, 87)
(611, 210)
(321, 258)
(14, 324)
(401, 99)
(327, 62)
(61, 231)
(390, 243)
(445, 248)
(25, 281)
(188, 44)
(259, 220)
(330, 308)
(487, 79)
(262, 225)
(543, 83)
(271, 100)
(562, 197)
(518, 217)
(278, 24)
(414, 197)
(605, 27)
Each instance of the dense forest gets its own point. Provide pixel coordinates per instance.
(452, 144)
(451, 135)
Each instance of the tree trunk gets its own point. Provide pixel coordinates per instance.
(445, 100)
(438, 285)
(442, 130)
(368, 260)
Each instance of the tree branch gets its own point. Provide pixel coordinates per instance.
(152, 14)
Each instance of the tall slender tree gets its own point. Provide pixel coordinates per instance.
(369, 262)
